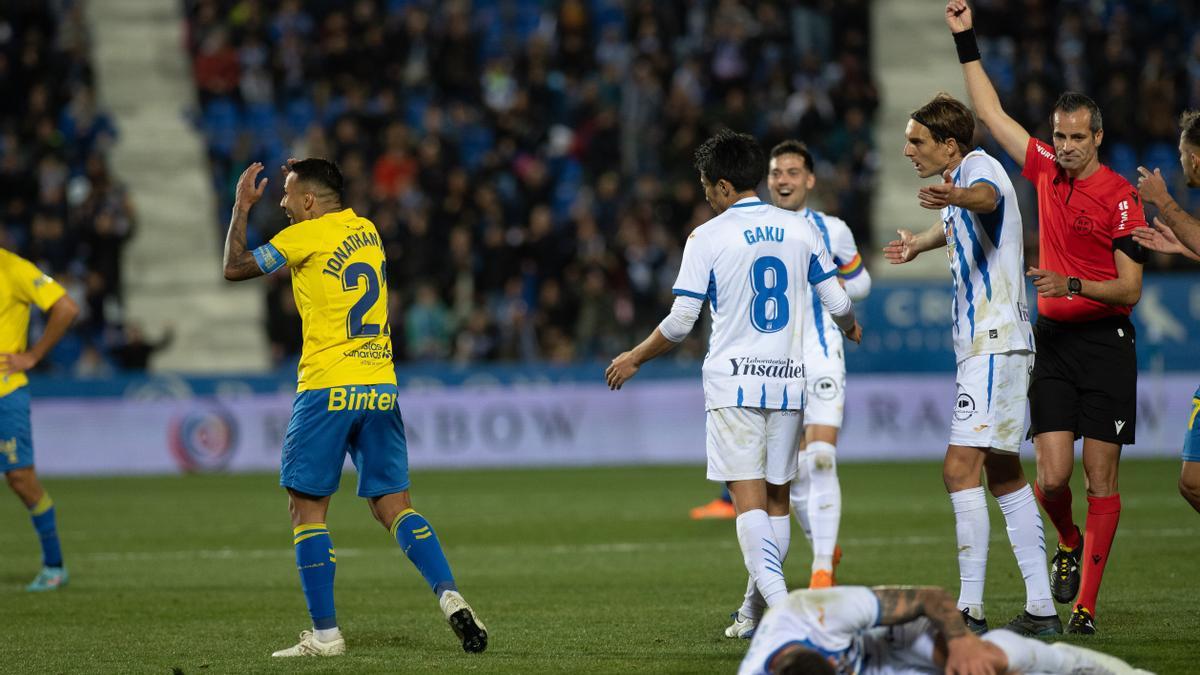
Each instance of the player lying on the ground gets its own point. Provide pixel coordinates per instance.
(901, 630)
(1177, 232)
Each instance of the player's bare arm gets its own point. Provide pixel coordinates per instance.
(1008, 133)
(977, 198)
(61, 314)
(1153, 190)
(239, 263)
(626, 365)
(909, 245)
(965, 652)
(1126, 289)
(1160, 238)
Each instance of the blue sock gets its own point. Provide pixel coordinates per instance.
(420, 544)
(42, 514)
(317, 562)
(725, 496)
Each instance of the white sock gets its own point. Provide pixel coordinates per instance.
(971, 526)
(824, 502)
(762, 555)
(753, 603)
(327, 634)
(800, 493)
(1028, 539)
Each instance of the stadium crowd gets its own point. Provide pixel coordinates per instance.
(1139, 60)
(528, 163)
(61, 205)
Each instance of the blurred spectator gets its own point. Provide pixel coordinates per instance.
(529, 164)
(60, 205)
(134, 351)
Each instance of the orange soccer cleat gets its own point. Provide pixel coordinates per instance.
(717, 509)
(821, 579)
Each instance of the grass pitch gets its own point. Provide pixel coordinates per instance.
(593, 570)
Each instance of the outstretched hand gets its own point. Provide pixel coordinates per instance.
(247, 194)
(902, 250)
(937, 197)
(958, 16)
(1158, 237)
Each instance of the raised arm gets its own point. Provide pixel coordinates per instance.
(1008, 133)
(239, 263)
(978, 198)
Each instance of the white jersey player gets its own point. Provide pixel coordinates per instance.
(855, 630)
(754, 264)
(816, 495)
(993, 342)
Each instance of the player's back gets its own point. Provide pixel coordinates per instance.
(340, 285)
(760, 262)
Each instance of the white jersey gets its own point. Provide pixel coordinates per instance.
(831, 621)
(987, 263)
(822, 337)
(754, 263)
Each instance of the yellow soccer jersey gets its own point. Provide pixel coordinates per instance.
(21, 284)
(340, 285)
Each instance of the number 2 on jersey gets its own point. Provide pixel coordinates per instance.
(769, 311)
(354, 272)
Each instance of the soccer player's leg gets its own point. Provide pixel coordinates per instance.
(822, 496)
(1025, 655)
(16, 462)
(738, 455)
(1054, 417)
(380, 452)
(971, 427)
(1007, 483)
(313, 452)
(1189, 476)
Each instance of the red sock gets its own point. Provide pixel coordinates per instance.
(1103, 514)
(1059, 510)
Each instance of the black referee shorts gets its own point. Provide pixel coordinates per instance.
(1084, 379)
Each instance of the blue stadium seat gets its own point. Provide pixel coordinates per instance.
(298, 115)
(1165, 157)
(1123, 159)
(220, 122)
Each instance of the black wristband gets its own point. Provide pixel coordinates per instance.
(967, 46)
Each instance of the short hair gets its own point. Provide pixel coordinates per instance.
(735, 157)
(320, 172)
(1070, 101)
(802, 661)
(794, 147)
(1189, 124)
(947, 117)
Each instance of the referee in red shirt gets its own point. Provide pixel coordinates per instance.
(1084, 380)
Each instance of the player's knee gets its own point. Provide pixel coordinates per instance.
(821, 457)
(1052, 485)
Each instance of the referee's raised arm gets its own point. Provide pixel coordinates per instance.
(1008, 133)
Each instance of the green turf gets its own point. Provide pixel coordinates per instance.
(573, 570)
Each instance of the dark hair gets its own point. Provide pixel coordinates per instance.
(802, 661)
(1189, 124)
(320, 172)
(947, 117)
(794, 147)
(735, 157)
(1070, 101)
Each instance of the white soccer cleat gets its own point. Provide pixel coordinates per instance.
(743, 627)
(463, 621)
(309, 645)
(1097, 663)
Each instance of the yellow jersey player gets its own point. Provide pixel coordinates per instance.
(346, 395)
(21, 285)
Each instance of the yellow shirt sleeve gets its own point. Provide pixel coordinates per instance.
(296, 243)
(33, 286)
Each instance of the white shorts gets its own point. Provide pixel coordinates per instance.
(825, 395)
(989, 411)
(753, 443)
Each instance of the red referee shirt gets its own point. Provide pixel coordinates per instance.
(1078, 221)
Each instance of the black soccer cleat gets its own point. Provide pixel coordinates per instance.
(976, 626)
(1029, 625)
(1081, 622)
(471, 632)
(1064, 572)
